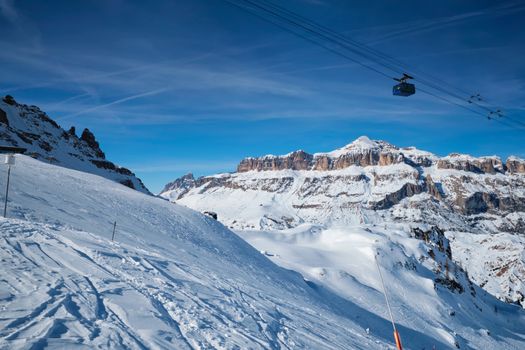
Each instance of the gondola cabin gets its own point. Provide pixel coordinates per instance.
(404, 89)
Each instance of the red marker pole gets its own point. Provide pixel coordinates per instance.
(397, 338)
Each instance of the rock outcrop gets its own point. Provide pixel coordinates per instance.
(88, 137)
(362, 152)
(515, 165)
(487, 165)
(29, 127)
(3, 117)
(8, 99)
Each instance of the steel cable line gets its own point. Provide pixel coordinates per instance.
(280, 14)
(307, 38)
(501, 121)
(322, 36)
(401, 67)
(493, 113)
(339, 39)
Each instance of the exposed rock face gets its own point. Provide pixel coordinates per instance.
(364, 152)
(515, 165)
(391, 199)
(490, 165)
(8, 99)
(432, 188)
(390, 158)
(354, 154)
(89, 138)
(456, 190)
(479, 202)
(3, 117)
(182, 185)
(29, 127)
(298, 160)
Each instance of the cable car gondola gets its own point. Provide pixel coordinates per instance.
(404, 88)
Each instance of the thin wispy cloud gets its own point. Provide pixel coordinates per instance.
(112, 103)
(207, 82)
(25, 31)
(8, 10)
(419, 27)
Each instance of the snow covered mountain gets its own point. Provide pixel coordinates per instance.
(29, 127)
(176, 279)
(478, 202)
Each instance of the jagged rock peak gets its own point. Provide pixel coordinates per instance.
(88, 137)
(10, 100)
(181, 185)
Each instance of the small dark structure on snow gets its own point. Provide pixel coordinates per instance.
(12, 149)
(211, 214)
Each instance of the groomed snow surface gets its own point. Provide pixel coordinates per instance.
(176, 279)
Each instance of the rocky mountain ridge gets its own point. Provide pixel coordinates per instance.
(375, 183)
(364, 152)
(31, 128)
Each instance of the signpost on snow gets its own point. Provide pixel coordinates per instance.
(114, 229)
(10, 161)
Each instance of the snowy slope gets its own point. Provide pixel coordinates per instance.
(342, 258)
(29, 127)
(173, 279)
(374, 182)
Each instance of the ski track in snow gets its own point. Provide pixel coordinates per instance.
(174, 278)
(66, 294)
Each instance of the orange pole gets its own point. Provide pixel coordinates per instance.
(398, 340)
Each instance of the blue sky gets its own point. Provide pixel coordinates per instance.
(170, 87)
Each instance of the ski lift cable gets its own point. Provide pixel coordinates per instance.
(497, 120)
(401, 65)
(450, 101)
(399, 69)
(322, 36)
(253, 11)
(419, 77)
(283, 27)
(425, 81)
